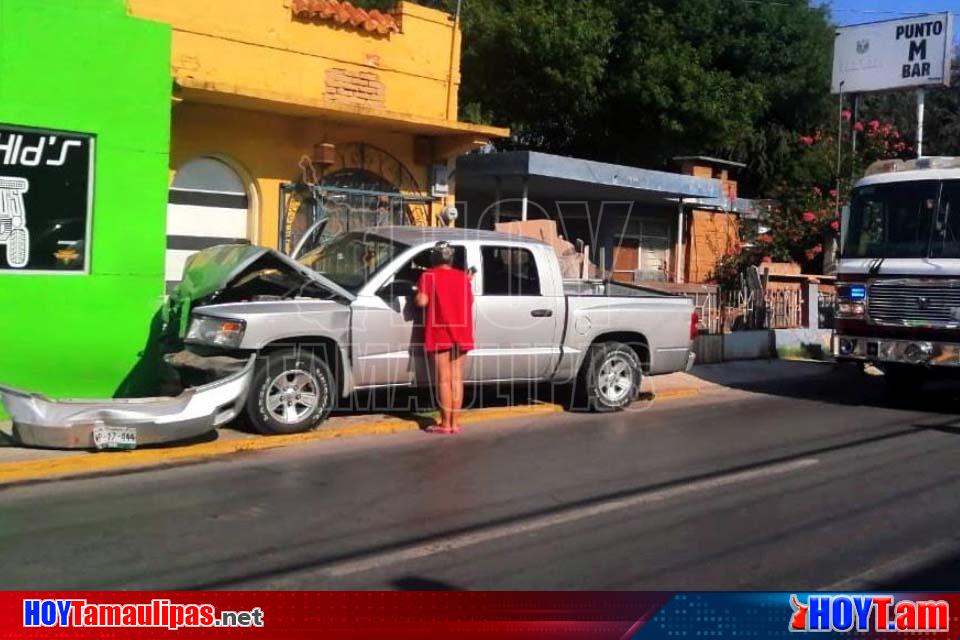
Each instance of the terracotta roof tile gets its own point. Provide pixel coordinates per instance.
(342, 12)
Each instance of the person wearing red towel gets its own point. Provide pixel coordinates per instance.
(445, 294)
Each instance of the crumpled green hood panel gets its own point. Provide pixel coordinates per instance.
(210, 270)
(207, 272)
(214, 269)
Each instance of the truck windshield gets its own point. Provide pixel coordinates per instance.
(895, 220)
(351, 259)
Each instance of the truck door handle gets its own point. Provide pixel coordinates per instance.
(541, 313)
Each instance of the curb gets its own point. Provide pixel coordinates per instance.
(682, 392)
(122, 461)
(114, 462)
(668, 394)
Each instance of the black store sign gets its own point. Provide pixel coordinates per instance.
(45, 199)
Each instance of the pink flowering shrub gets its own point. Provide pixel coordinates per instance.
(810, 199)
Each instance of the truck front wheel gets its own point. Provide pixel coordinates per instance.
(610, 377)
(292, 391)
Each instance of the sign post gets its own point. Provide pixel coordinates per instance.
(921, 97)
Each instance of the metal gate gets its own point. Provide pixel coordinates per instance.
(304, 208)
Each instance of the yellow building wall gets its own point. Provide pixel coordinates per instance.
(258, 87)
(265, 149)
(258, 48)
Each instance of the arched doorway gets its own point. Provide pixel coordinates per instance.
(365, 187)
(208, 205)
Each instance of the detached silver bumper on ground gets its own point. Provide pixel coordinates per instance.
(125, 423)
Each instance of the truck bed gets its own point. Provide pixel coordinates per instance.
(585, 288)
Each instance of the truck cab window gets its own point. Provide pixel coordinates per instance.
(509, 271)
(424, 260)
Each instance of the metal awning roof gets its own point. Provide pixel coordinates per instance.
(552, 177)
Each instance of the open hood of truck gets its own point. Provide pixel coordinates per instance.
(217, 268)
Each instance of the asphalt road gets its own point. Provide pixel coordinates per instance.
(819, 480)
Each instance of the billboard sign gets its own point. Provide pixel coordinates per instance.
(46, 188)
(893, 54)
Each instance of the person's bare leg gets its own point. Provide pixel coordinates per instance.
(456, 386)
(444, 398)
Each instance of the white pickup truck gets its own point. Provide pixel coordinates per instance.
(342, 318)
(288, 338)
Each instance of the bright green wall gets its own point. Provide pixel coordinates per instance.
(85, 66)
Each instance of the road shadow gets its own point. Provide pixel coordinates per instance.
(416, 583)
(842, 384)
(942, 574)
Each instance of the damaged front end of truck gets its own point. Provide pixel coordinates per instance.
(202, 391)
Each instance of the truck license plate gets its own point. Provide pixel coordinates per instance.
(114, 437)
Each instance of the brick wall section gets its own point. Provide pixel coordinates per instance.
(712, 233)
(359, 88)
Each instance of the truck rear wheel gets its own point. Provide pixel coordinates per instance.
(292, 391)
(610, 377)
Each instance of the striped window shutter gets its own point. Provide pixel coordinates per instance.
(208, 205)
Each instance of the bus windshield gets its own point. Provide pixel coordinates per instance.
(892, 220)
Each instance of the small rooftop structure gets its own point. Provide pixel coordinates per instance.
(710, 161)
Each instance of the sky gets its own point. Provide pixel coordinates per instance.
(856, 11)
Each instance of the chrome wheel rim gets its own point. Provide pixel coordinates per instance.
(292, 396)
(615, 379)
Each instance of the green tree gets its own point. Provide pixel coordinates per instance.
(536, 66)
(640, 81)
(733, 78)
(941, 136)
(533, 65)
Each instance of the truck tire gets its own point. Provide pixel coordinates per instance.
(18, 248)
(609, 378)
(292, 391)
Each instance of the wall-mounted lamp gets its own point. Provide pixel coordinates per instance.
(324, 154)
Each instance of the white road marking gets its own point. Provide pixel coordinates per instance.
(887, 572)
(536, 523)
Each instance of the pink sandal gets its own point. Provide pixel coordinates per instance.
(437, 429)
